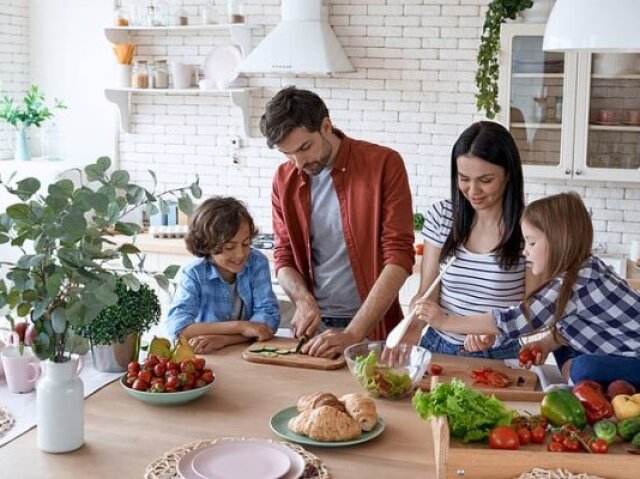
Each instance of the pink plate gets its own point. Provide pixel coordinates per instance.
(228, 459)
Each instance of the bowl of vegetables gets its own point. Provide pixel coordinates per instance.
(391, 374)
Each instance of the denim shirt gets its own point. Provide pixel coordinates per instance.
(203, 296)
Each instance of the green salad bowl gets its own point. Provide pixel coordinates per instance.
(388, 373)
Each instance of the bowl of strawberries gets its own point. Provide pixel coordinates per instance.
(161, 381)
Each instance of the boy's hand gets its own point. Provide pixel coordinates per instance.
(430, 312)
(208, 343)
(259, 331)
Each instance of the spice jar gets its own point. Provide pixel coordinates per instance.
(181, 18)
(161, 74)
(121, 15)
(235, 9)
(140, 75)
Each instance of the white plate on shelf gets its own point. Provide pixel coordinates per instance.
(228, 459)
(221, 65)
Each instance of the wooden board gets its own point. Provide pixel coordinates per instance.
(291, 360)
(454, 459)
(524, 384)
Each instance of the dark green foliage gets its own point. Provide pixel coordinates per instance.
(135, 312)
(488, 71)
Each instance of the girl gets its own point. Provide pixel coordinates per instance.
(225, 297)
(591, 316)
(480, 225)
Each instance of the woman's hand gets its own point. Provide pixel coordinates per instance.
(534, 353)
(474, 343)
(259, 331)
(430, 312)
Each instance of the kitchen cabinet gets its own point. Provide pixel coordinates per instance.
(569, 119)
(241, 35)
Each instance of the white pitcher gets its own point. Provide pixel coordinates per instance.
(60, 406)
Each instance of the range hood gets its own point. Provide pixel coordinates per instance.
(302, 43)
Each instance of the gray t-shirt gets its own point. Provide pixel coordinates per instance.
(237, 306)
(334, 285)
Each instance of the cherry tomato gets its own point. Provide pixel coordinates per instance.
(538, 433)
(557, 436)
(419, 249)
(524, 436)
(555, 447)
(503, 437)
(525, 356)
(571, 444)
(435, 369)
(599, 446)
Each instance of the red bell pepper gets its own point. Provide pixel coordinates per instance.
(592, 398)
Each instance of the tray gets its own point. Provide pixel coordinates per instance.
(455, 459)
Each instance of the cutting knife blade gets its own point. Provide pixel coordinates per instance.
(303, 339)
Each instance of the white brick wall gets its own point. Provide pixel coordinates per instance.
(14, 59)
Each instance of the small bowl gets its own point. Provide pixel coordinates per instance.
(165, 399)
(394, 378)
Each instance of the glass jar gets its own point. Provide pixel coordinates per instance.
(235, 10)
(140, 75)
(122, 16)
(208, 13)
(160, 13)
(161, 74)
(149, 16)
(181, 18)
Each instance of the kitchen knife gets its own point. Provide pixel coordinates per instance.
(303, 339)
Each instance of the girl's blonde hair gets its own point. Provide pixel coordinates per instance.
(565, 221)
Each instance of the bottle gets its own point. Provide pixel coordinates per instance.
(140, 75)
(235, 9)
(161, 74)
(558, 115)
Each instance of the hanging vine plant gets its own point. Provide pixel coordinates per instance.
(488, 69)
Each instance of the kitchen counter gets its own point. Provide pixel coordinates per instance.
(123, 435)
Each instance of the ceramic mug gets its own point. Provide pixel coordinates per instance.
(606, 116)
(21, 371)
(633, 117)
(182, 75)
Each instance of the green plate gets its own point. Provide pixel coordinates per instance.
(280, 420)
(165, 399)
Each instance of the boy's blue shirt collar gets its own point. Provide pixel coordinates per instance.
(214, 273)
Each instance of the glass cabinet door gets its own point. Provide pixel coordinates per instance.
(611, 115)
(534, 106)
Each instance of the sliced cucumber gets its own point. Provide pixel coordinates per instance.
(283, 351)
(260, 350)
(271, 349)
(270, 354)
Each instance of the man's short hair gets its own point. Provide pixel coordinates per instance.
(289, 109)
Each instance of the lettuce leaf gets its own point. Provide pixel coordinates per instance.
(379, 380)
(471, 414)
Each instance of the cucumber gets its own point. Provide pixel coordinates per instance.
(260, 350)
(271, 349)
(636, 440)
(270, 354)
(628, 428)
(283, 352)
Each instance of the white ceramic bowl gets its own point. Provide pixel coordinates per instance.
(165, 399)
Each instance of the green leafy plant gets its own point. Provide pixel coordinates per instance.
(488, 69)
(33, 112)
(135, 312)
(418, 221)
(69, 265)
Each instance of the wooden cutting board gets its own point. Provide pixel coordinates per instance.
(291, 360)
(523, 387)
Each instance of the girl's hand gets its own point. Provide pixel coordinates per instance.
(474, 343)
(260, 331)
(534, 353)
(430, 312)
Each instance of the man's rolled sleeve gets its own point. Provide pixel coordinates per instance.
(282, 252)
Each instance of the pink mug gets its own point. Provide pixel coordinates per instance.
(633, 117)
(606, 116)
(21, 371)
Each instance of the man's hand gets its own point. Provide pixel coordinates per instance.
(430, 312)
(208, 343)
(329, 344)
(474, 343)
(259, 331)
(306, 318)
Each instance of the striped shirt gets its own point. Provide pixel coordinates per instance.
(475, 282)
(601, 317)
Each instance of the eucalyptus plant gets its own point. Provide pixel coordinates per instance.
(488, 68)
(33, 112)
(70, 263)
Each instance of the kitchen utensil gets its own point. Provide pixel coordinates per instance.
(396, 334)
(303, 339)
(221, 65)
(291, 359)
(182, 75)
(279, 424)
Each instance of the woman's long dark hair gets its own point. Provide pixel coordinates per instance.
(490, 142)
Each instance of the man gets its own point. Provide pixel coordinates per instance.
(343, 225)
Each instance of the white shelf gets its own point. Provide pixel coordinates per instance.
(627, 128)
(538, 75)
(629, 76)
(122, 98)
(240, 32)
(541, 126)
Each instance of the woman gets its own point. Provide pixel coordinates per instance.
(480, 227)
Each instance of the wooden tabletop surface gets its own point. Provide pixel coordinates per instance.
(123, 435)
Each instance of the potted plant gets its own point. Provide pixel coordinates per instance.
(115, 333)
(488, 69)
(65, 277)
(33, 112)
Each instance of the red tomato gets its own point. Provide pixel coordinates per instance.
(571, 444)
(555, 447)
(599, 446)
(199, 363)
(503, 437)
(524, 436)
(420, 249)
(435, 369)
(538, 434)
(525, 356)
(557, 436)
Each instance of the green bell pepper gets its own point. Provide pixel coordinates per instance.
(562, 407)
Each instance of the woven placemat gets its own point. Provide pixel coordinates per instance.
(165, 466)
(6, 420)
(538, 473)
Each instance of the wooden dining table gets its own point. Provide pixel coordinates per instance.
(124, 435)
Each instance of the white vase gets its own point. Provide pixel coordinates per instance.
(538, 13)
(60, 406)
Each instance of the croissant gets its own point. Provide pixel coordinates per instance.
(313, 401)
(325, 423)
(362, 409)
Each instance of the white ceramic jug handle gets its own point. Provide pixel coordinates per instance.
(37, 372)
(80, 364)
